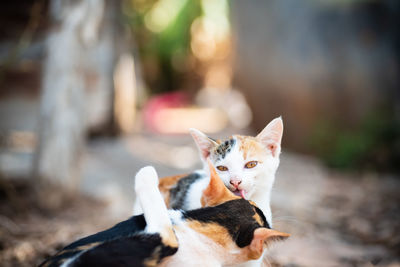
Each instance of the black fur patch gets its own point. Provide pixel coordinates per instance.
(261, 214)
(127, 251)
(179, 191)
(128, 227)
(235, 215)
(224, 148)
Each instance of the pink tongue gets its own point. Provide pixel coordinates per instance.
(240, 193)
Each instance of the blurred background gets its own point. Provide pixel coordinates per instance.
(93, 90)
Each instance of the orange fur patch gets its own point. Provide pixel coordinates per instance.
(216, 192)
(169, 238)
(250, 147)
(166, 184)
(209, 201)
(214, 231)
(256, 216)
(252, 254)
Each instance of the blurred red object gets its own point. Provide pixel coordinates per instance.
(172, 113)
(158, 103)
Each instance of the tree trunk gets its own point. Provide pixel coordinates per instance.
(71, 70)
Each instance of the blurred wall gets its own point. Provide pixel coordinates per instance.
(316, 62)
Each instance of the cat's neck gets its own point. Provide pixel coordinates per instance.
(262, 195)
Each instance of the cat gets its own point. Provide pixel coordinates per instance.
(247, 166)
(230, 230)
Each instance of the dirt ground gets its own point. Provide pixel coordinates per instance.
(335, 219)
(33, 227)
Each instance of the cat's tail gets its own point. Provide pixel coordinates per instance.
(153, 205)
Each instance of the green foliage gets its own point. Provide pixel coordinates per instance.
(373, 144)
(176, 37)
(163, 52)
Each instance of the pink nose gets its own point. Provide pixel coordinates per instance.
(235, 183)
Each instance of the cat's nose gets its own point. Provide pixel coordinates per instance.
(235, 183)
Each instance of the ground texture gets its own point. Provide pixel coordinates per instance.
(335, 219)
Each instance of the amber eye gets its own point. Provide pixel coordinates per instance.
(222, 168)
(250, 164)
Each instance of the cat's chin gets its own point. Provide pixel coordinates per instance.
(240, 193)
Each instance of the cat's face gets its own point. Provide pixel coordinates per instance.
(244, 163)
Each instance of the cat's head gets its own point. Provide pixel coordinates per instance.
(236, 224)
(244, 163)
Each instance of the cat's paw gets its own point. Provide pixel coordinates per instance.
(146, 178)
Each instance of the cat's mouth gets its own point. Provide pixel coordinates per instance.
(240, 193)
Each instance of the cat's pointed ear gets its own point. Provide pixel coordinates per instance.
(216, 192)
(264, 236)
(271, 136)
(204, 144)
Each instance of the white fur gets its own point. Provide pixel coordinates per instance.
(196, 191)
(196, 249)
(137, 209)
(175, 216)
(253, 263)
(257, 182)
(151, 201)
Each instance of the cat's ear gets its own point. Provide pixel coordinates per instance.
(264, 236)
(216, 192)
(204, 144)
(271, 136)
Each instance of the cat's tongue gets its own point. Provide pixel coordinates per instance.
(240, 193)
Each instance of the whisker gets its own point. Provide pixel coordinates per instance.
(266, 262)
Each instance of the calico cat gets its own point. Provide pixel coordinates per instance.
(246, 165)
(230, 230)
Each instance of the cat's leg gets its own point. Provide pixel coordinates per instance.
(153, 205)
(137, 209)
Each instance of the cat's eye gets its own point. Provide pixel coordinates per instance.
(250, 164)
(222, 168)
